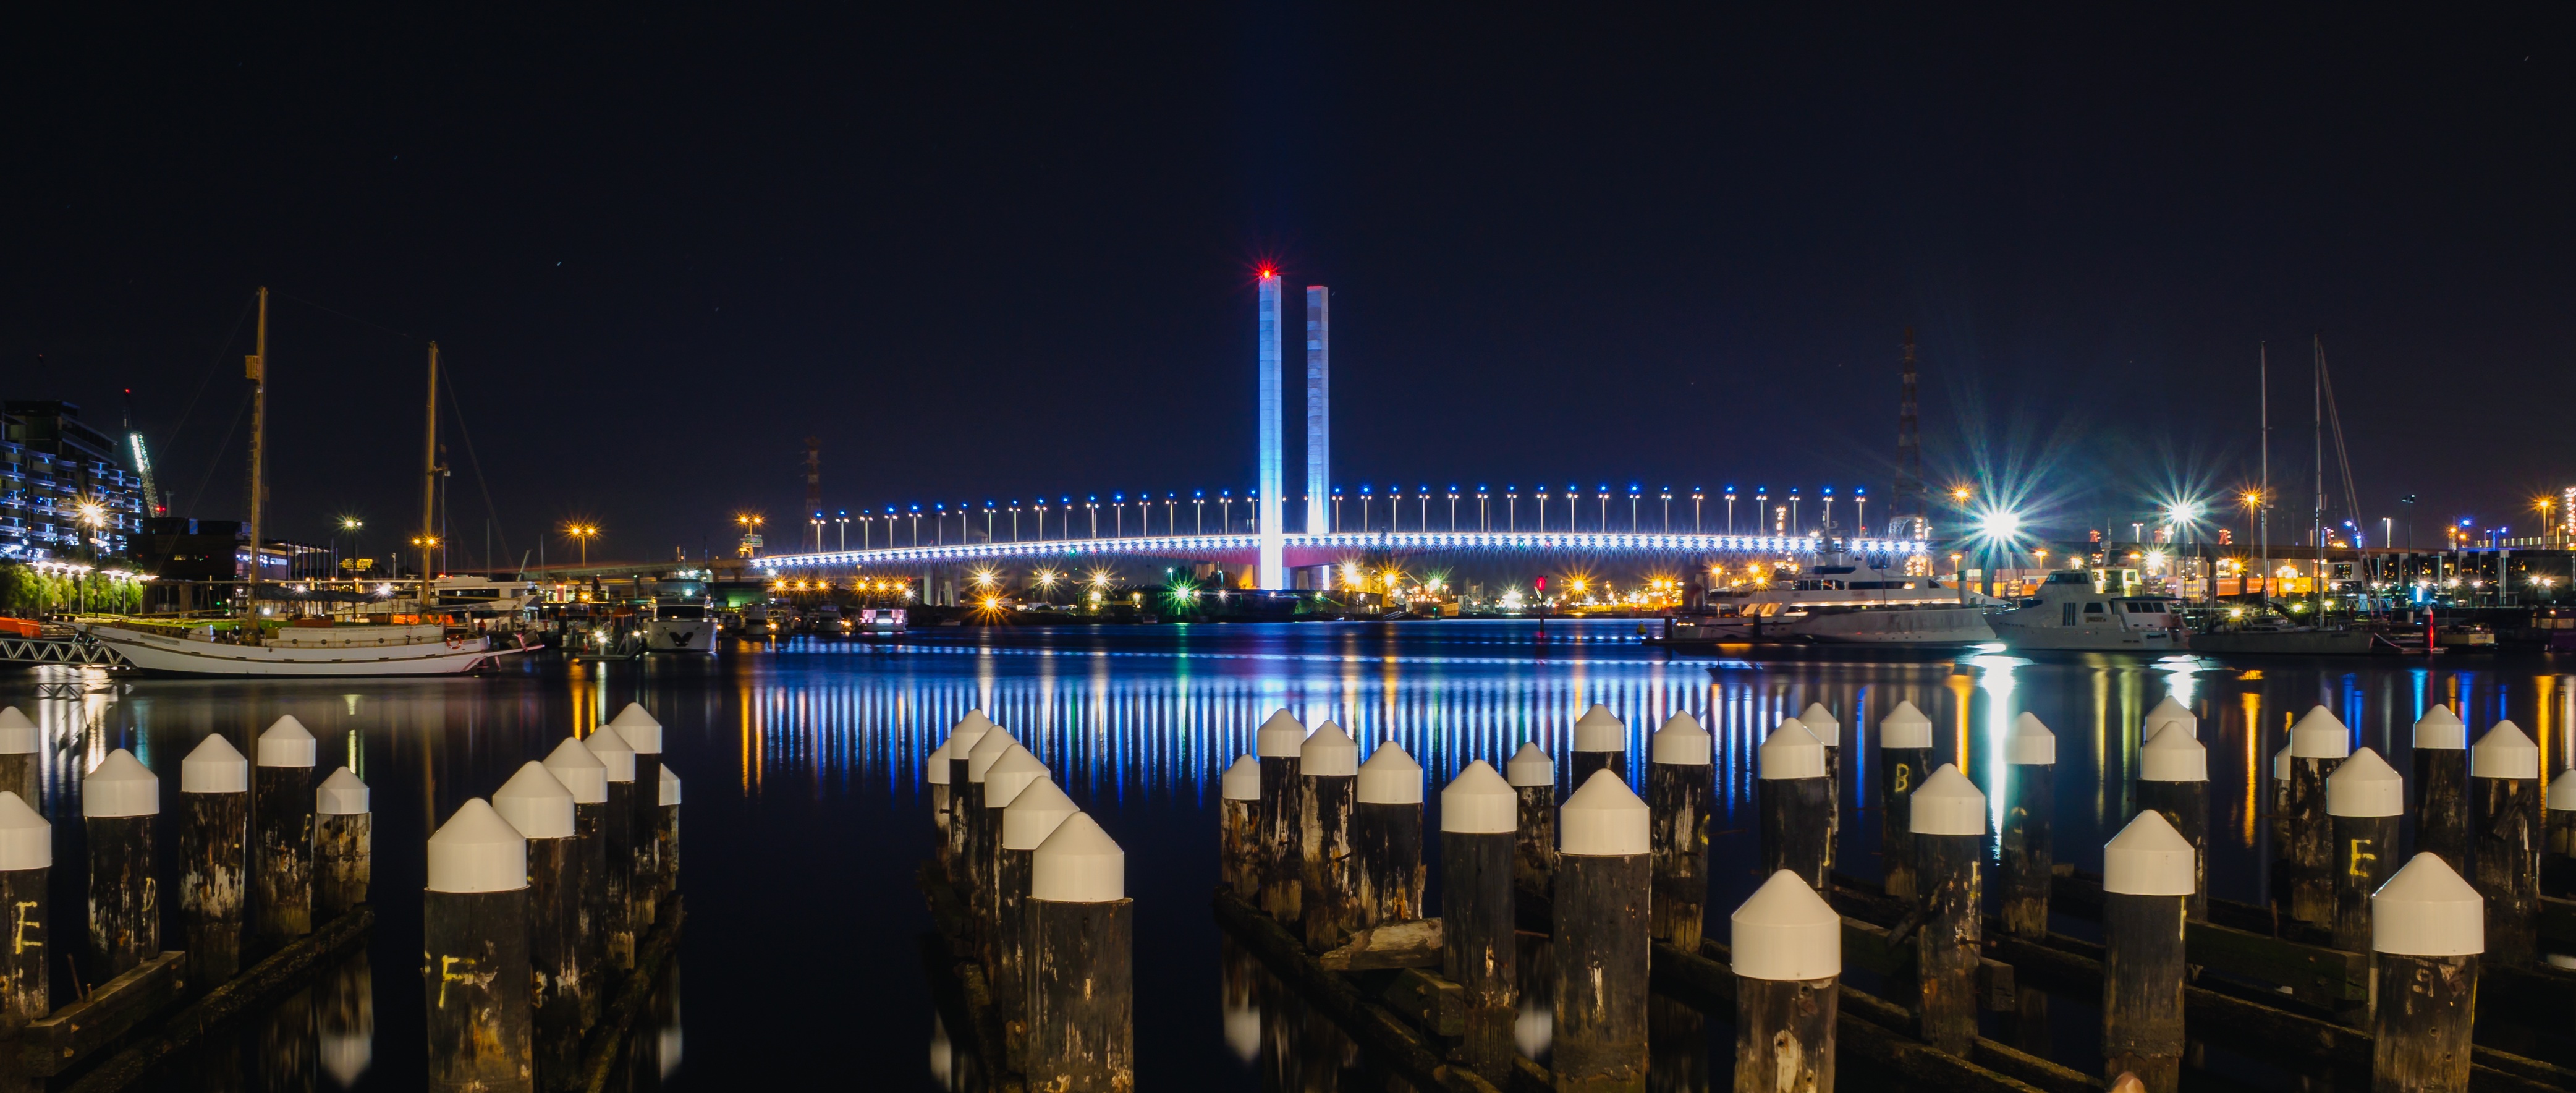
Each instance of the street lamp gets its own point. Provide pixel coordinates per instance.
(1453, 507)
(1860, 509)
(1730, 510)
(1542, 508)
(1422, 508)
(1484, 522)
(1365, 492)
(1394, 513)
(1698, 495)
(1117, 515)
(1225, 502)
(1091, 505)
(581, 534)
(817, 522)
(844, 521)
(1668, 510)
(1198, 509)
(1511, 508)
(915, 513)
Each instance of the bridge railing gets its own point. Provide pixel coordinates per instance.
(1352, 542)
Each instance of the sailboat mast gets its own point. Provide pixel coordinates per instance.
(429, 478)
(258, 373)
(2317, 529)
(2263, 490)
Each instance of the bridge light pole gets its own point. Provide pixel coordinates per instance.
(916, 525)
(988, 520)
(1117, 515)
(1668, 510)
(1365, 491)
(1394, 515)
(1860, 510)
(844, 521)
(1091, 504)
(1198, 511)
(1511, 508)
(1171, 509)
(1337, 508)
(1761, 507)
(1015, 519)
(1632, 508)
(939, 524)
(1542, 509)
(817, 524)
(1225, 500)
(1794, 523)
(1829, 512)
(1422, 510)
(1730, 510)
(1697, 495)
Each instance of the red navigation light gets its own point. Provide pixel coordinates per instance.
(1268, 272)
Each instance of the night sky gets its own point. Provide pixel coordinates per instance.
(996, 252)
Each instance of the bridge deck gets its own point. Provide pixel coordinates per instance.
(1309, 550)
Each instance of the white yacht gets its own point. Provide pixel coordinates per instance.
(1844, 599)
(304, 650)
(484, 597)
(2072, 611)
(681, 627)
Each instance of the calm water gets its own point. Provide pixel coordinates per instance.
(804, 817)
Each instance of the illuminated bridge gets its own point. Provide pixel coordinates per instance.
(1304, 551)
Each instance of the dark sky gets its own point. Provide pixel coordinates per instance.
(985, 252)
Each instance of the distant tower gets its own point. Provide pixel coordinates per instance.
(1911, 504)
(1319, 408)
(1272, 572)
(814, 486)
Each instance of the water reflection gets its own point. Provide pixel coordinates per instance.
(347, 1010)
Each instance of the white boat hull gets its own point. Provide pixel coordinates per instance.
(681, 636)
(1895, 626)
(152, 652)
(2079, 639)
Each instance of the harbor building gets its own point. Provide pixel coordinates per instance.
(63, 483)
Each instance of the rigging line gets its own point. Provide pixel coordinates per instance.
(446, 379)
(215, 464)
(404, 334)
(212, 367)
(2334, 420)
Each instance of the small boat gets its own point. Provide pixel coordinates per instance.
(2072, 613)
(1911, 625)
(680, 627)
(339, 650)
(877, 621)
(1845, 598)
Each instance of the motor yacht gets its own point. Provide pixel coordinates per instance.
(2072, 611)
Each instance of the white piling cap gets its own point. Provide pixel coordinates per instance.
(1827, 729)
(1078, 863)
(2030, 744)
(1280, 737)
(477, 851)
(2365, 785)
(2562, 793)
(969, 729)
(613, 752)
(26, 840)
(581, 771)
(2504, 752)
(1947, 803)
(216, 766)
(1600, 730)
(1034, 814)
(2320, 735)
(1479, 802)
(1242, 781)
(1329, 753)
(2281, 764)
(1530, 766)
(987, 750)
(342, 794)
(1904, 727)
(287, 743)
(2427, 910)
(2441, 730)
(1390, 777)
(1603, 819)
(2173, 754)
(1680, 743)
(670, 788)
(120, 786)
(536, 805)
(2149, 858)
(636, 724)
(18, 736)
(1790, 752)
(934, 770)
(1011, 774)
(2166, 711)
(1786, 933)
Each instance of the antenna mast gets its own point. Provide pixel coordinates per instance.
(1909, 450)
(258, 372)
(429, 477)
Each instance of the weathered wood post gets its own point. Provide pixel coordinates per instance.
(474, 955)
(644, 734)
(2149, 872)
(1010, 776)
(1387, 875)
(1949, 855)
(26, 871)
(1082, 929)
(1533, 778)
(1479, 812)
(2558, 834)
(586, 778)
(617, 926)
(1279, 743)
(2504, 771)
(934, 773)
(2318, 744)
(344, 845)
(1033, 814)
(2426, 931)
(1828, 730)
(1329, 763)
(20, 741)
(962, 738)
(2168, 711)
(983, 831)
(1904, 761)
(540, 809)
(1600, 743)
(666, 830)
(1681, 790)
(1790, 770)
(281, 865)
(2173, 782)
(2442, 787)
(2364, 798)
(119, 802)
(2030, 770)
(1787, 944)
(1604, 871)
(214, 832)
(1239, 839)
(2282, 868)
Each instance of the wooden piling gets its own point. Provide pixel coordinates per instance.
(1238, 835)
(1790, 772)
(1082, 927)
(2279, 880)
(214, 829)
(617, 847)
(1329, 764)
(1949, 852)
(281, 861)
(1904, 761)
(2364, 799)
(2173, 782)
(934, 774)
(540, 809)
(2558, 837)
(2427, 930)
(1787, 945)
(20, 766)
(2029, 862)
(1604, 872)
(962, 738)
(983, 832)
(1533, 778)
(644, 734)
(666, 830)
(1600, 743)
(1681, 790)
(2149, 873)
(474, 956)
(1279, 743)
(585, 776)
(1479, 813)
(120, 800)
(2504, 778)
(343, 845)
(2318, 743)
(2441, 785)
(1828, 730)
(26, 872)
(1033, 814)
(1009, 776)
(1387, 875)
